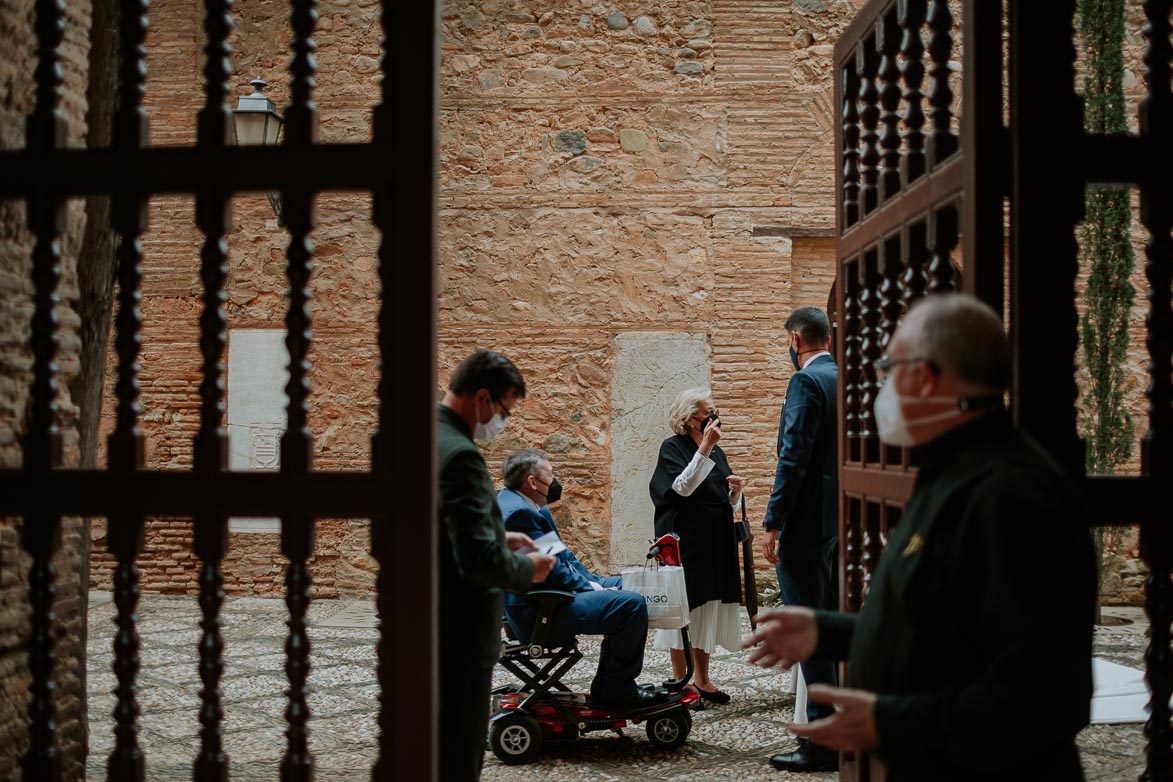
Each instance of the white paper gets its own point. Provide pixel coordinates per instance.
(550, 544)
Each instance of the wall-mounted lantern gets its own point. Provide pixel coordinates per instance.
(255, 122)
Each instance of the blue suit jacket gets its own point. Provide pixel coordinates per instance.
(804, 505)
(568, 573)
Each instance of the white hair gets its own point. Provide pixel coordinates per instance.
(685, 407)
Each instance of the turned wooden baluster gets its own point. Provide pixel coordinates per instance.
(912, 17)
(1156, 543)
(866, 63)
(943, 237)
(871, 349)
(872, 546)
(297, 532)
(850, 95)
(125, 445)
(913, 282)
(891, 294)
(852, 358)
(942, 141)
(211, 441)
(853, 555)
(887, 35)
(41, 530)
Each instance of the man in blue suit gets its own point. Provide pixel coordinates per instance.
(599, 606)
(802, 518)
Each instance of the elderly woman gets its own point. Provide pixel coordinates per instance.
(694, 492)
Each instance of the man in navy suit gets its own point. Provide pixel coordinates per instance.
(599, 606)
(802, 518)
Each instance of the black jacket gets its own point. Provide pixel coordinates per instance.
(977, 628)
(804, 505)
(475, 564)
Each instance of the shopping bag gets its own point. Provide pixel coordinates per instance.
(664, 592)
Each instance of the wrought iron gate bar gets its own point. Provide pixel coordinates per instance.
(404, 190)
(210, 539)
(125, 446)
(297, 529)
(911, 204)
(403, 446)
(184, 170)
(174, 493)
(41, 528)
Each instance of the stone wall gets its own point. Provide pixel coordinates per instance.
(605, 169)
(17, 46)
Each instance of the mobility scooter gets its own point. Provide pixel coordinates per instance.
(543, 709)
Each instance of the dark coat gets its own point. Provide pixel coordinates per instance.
(804, 504)
(977, 629)
(704, 521)
(475, 564)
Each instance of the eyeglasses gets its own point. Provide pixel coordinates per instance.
(715, 414)
(505, 412)
(885, 364)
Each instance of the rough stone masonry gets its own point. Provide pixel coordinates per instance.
(613, 175)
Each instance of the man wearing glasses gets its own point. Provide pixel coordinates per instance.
(956, 674)
(477, 557)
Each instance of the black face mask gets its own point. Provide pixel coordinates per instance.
(709, 421)
(554, 492)
(794, 357)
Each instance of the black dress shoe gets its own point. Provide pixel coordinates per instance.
(637, 698)
(716, 696)
(807, 757)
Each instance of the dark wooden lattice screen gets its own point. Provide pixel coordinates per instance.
(912, 192)
(398, 168)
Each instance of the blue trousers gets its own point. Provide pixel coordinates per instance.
(808, 575)
(620, 616)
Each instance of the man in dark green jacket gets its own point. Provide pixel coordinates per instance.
(971, 658)
(477, 558)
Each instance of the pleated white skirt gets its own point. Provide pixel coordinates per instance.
(708, 625)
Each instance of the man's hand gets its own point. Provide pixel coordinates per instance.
(543, 564)
(787, 636)
(770, 546)
(519, 541)
(852, 728)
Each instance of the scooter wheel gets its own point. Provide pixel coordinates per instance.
(515, 738)
(669, 731)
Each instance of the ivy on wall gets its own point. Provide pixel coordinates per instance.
(1107, 256)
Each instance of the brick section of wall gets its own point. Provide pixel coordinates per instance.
(17, 52)
(603, 169)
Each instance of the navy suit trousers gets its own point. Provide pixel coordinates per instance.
(620, 616)
(808, 575)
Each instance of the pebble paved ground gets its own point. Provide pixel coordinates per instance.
(727, 743)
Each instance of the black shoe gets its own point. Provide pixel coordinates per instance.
(807, 757)
(716, 696)
(637, 698)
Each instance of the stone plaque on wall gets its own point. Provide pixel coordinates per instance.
(648, 371)
(258, 369)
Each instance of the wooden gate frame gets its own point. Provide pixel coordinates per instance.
(398, 167)
(893, 190)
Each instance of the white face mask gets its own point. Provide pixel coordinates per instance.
(486, 432)
(894, 427)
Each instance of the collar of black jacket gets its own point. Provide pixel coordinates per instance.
(453, 417)
(993, 426)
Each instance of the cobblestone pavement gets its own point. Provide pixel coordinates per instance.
(727, 742)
